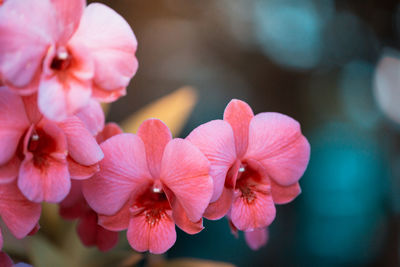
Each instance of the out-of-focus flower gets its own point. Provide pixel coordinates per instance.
(19, 214)
(148, 183)
(387, 85)
(256, 162)
(44, 155)
(6, 261)
(70, 53)
(74, 206)
(255, 239)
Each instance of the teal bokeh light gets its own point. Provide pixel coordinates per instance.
(290, 32)
(344, 196)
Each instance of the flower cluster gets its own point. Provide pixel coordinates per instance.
(58, 59)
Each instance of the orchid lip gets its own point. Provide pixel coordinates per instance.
(62, 60)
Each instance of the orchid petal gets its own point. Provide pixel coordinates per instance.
(257, 213)
(109, 130)
(92, 234)
(19, 214)
(50, 183)
(184, 170)
(9, 171)
(239, 114)
(277, 142)
(82, 146)
(81, 172)
(180, 217)
(13, 121)
(123, 174)
(24, 28)
(59, 99)
(155, 136)
(157, 237)
(257, 238)
(284, 194)
(215, 139)
(92, 116)
(117, 222)
(112, 44)
(69, 13)
(219, 208)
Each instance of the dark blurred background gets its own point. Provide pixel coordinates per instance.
(315, 60)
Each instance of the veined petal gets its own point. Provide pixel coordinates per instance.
(180, 217)
(31, 108)
(82, 146)
(74, 205)
(81, 172)
(155, 136)
(277, 142)
(92, 234)
(117, 222)
(60, 99)
(256, 238)
(112, 45)
(107, 96)
(185, 171)
(215, 139)
(220, 208)
(106, 239)
(9, 171)
(87, 229)
(109, 130)
(69, 13)
(93, 117)
(28, 26)
(19, 214)
(284, 194)
(123, 174)
(257, 212)
(13, 121)
(239, 114)
(50, 183)
(156, 238)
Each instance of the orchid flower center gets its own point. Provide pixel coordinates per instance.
(247, 180)
(61, 60)
(41, 145)
(154, 203)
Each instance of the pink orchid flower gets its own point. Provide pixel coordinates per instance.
(41, 154)
(19, 214)
(149, 182)
(66, 52)
(256, 161)
(74, 206)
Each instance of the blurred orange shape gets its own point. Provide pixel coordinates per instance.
(173, 109)
(105, 107)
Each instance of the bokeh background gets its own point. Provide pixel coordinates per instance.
(315, 60)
